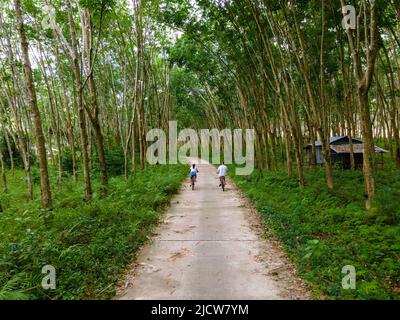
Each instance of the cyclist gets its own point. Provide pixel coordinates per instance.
(193, 173)
(222, 170)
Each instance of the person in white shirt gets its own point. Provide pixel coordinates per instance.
(222, 170)
(193, 172)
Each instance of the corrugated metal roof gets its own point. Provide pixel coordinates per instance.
(357, 148)
(332, 140)
(345, 148)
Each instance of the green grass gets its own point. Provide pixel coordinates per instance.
(322, 231)
(89, 245)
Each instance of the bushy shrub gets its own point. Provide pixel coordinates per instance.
(323, 231)
(67, 164)
(17, 157)
(115, 162)
(89, 244)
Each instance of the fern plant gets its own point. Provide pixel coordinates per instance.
(11, 289)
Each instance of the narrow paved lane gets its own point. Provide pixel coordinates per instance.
(208, 248)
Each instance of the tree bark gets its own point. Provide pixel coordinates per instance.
(364, 82)
(40, 142)
(81, 112)
(93, 112)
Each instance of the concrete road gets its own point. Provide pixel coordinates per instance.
(209, 246)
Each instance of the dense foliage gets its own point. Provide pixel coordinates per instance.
(82, 83)
(89, 244)
(323, 232)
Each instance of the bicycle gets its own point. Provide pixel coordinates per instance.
(222, 180)
(193, 175)
(222, 169)
(192, 180)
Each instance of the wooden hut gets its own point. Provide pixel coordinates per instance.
(340, 151)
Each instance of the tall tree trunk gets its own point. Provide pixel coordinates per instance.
(364, 82)
(393, 108)
(93, 112)
(369, 148)
(324, 128)
(81, 111)
(40, 142)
